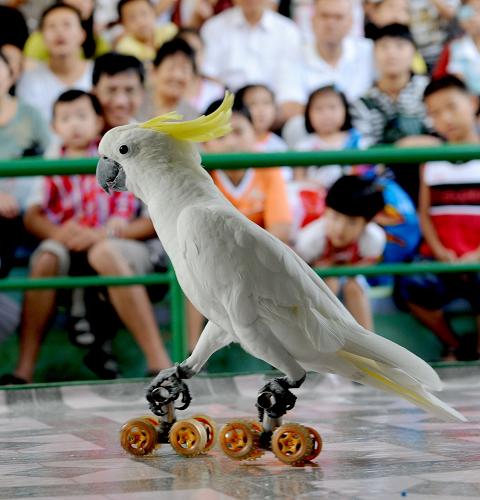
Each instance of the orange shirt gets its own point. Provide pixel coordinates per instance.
(261, 195)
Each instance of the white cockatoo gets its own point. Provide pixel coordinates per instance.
(252, 288)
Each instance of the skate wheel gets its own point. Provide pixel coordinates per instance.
(292, 444)
(240, 440)
(139, 436)
(188, 437)
(211, 429)
(317, 444)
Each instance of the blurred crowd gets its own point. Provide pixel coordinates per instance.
(308, 75)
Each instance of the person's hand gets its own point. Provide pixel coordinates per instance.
(473, 256)
(66, 231)
(115, 226)
(445, 255)
(85, 238)
(8, 206)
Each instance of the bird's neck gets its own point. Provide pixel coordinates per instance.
(167, 193)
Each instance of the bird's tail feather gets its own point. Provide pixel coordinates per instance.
(369, 345)
(394, 380)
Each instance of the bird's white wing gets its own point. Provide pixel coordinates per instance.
(236, 263)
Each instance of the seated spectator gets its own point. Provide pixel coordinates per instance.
(173, 71)
(193, 13)
(464, 52)
(141, 38)
(93, 45)
(118, 82)
(201, 91)
(335, 56)
(61, 27)
(329, 125)
(260, 102)
(13, 35)
(23, 132)
(392, 111)
(345, 235)
(261, 47)
(432, 24)
(384, 12)
(79, 225)
(260, 194)
(448, 208)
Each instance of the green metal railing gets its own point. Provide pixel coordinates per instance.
(38, 166)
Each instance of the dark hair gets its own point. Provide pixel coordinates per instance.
(74, 94)
(241, 93)
(347, 124)
(356, 197)
(237, 108)
(188, 31)
(58, 5)
(394, 30)
(172, 47)
(444, 82)
(113, 63)
(13, 27)
(122, 3)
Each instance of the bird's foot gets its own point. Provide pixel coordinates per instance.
(275, 398)
(166, 388)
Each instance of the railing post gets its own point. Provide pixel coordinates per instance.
(179, 333)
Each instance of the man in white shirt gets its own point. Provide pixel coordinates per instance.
(335, 57)
(252, 44)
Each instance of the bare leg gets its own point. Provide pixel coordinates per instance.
(436, 321)
(38, 308)
(356, 301)
(195, 322)
(333, 283)
(132, 304)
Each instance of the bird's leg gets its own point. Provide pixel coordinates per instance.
(168, 386)
(275, 397)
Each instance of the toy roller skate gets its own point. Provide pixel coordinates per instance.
(293, 444)
(188, 437)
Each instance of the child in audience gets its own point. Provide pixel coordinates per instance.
(142, 38)
(328, 122)
(449, 216)
(260, 102)
(346, 235)
(61, 27)
(75, 219)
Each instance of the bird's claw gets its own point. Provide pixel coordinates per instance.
(166, 388)
(275, 398)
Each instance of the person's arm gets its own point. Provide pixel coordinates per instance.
(277, 215)
(38, 224)
(428, 230)
(138, 229)
(311, 243)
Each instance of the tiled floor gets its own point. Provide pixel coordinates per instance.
(62, 442)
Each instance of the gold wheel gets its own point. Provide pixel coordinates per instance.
(139, 436)
(292, 444)
(317, 444)
(211, 429)
(240, 440)
(188, 437)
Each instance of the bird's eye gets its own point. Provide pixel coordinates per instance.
(123, 149)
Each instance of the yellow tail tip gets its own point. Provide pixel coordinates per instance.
(202, 129)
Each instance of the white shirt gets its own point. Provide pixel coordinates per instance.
(268, 53)
(39, 87)
(312, 241)
(354, 73)
(465, 62)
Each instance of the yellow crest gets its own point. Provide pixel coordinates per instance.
(201, 129)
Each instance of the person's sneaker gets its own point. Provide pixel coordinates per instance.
(10, 379)
(80, 332)
(102, 363)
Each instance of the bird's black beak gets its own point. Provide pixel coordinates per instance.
(110, 175)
